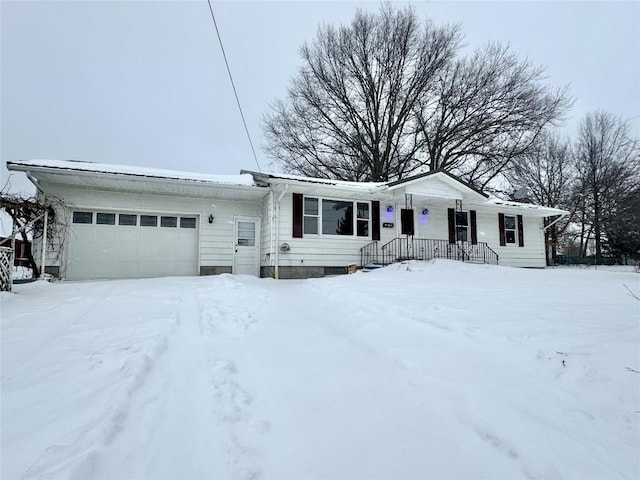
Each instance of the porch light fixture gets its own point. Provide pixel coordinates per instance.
(211, 218)
(425, 211)
(390, 209)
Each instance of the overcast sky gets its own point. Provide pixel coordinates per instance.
(144, 83)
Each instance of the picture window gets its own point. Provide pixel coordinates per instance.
(336, 217)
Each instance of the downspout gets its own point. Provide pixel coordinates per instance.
(44, 241)
(277, 249)
(35, 182)
(272, 220)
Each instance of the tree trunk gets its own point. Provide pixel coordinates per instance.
(31, 260)
(597, 227)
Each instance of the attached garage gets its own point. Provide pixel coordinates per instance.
(117, 221)
(110, 244)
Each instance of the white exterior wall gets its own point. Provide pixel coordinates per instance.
(318, 250)
(266, 249)
(333, 250)
(215, 240)
(533, 252)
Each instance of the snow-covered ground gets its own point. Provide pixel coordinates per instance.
(423, 370)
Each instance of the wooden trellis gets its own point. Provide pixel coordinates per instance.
(6, 269)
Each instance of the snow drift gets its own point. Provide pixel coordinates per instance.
(419, 370)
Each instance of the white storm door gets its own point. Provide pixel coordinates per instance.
(246, 257)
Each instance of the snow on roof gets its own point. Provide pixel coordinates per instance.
(323, 181)
(528, 206)
(77, 165)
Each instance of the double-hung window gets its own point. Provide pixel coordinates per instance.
(462, 227)
(510, 230)
(311, 215)
(362, 229)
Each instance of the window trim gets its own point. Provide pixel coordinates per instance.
(110, 215)
(129, 215)
(311, 216)
(514, 230)
(459, 226)
(168, 219)
(354, 203)
(83, 212)
(147, 216)
(187, 222)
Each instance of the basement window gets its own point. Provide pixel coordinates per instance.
(82, 217)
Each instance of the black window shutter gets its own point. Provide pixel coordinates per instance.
(503, 238)
(406, 221)
(520, 231)
(297, 215)
(474, 228)
(452, 225)
(375, 220)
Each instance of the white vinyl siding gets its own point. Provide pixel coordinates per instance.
(213, 242)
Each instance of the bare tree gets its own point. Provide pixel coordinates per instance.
(608, 162)
(350, 112)
(27, 214)
(622, 228)
(547, 173)
(384, 97)
(487, 111)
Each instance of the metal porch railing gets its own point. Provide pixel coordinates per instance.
(407, 248)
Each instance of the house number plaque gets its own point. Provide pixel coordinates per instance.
(388, 225)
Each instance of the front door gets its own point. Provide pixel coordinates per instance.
(407, 227)
(246, 256)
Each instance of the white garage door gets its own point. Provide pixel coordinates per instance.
(131, 245)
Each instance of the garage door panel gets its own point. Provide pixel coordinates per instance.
(131, 251)
(128, 234)
(107, 233)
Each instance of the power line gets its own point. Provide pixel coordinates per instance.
(235, 92)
